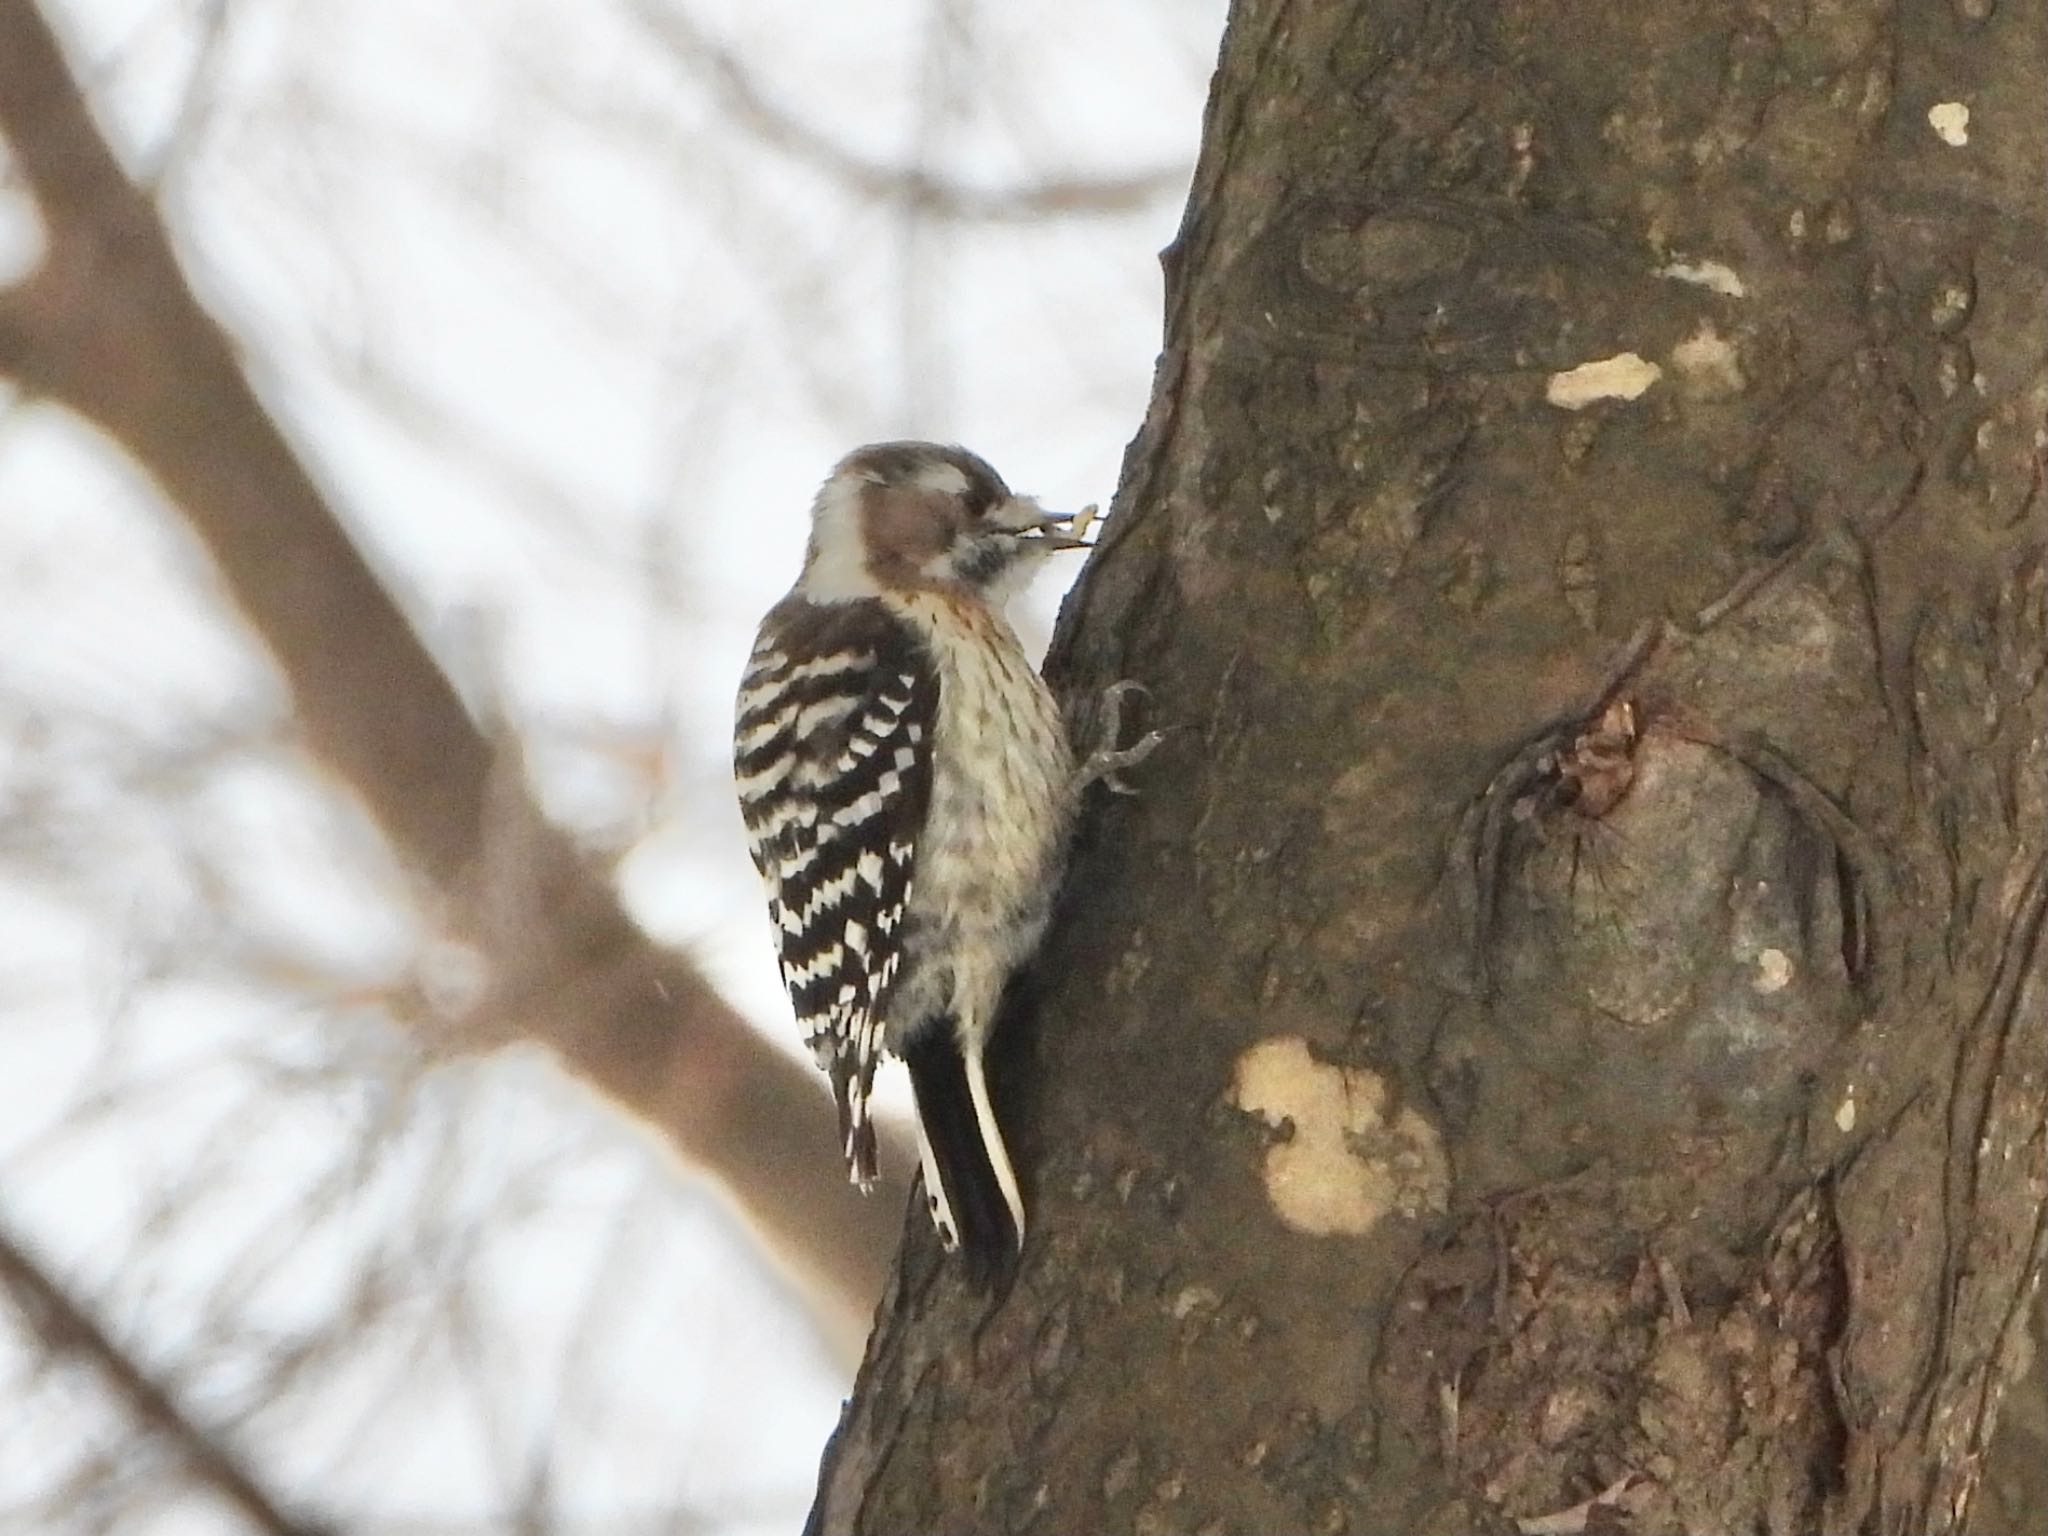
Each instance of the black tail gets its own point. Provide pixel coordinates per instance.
(968, 1204)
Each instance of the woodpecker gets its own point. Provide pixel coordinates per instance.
(908, 790)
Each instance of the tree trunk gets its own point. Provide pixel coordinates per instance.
(1559, 1043)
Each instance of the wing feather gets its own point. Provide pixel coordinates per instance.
(832, 760)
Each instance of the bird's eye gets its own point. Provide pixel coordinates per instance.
(973, 501)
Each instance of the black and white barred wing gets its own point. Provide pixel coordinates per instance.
(832, 757)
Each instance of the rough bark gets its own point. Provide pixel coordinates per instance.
(2016, 1470)
(108, 325)
(1566, 1023)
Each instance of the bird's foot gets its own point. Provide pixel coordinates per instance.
(1107, 762)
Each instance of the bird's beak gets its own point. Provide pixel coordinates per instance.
(1060, 530)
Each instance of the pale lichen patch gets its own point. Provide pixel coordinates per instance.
(1622, 377)
(1950, 121)
(1717, 276)
(1773, 971)
(1707, 366)
(1347, 1162)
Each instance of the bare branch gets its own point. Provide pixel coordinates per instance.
(697, 53)
(109, 326)
(14, 331)
(67, 1328)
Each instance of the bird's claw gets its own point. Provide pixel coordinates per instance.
(1107, 762)
(1108, 767)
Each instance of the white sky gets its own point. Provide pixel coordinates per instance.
(572, 352)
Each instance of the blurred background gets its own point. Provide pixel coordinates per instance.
(401, 1129)
(566, 309)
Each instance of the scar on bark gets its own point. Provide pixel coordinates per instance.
(1576, 772)
(1862, 880)
(1581, 766)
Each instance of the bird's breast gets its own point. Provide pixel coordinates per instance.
(1002, 802)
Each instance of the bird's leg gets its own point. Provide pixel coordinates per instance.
(1108, 761)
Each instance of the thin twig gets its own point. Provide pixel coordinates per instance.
(927, 191)
(66, 1328)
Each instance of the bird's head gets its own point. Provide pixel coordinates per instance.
(904, 516)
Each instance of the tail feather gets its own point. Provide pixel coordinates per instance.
(853, 1084)
(969, 1184)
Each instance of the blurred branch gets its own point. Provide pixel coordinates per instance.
(67, 1328)
(109, 326)
(748, 105)
(195, 101)
(13, 332)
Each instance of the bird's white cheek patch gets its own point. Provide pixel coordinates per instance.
(1345, 1162)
